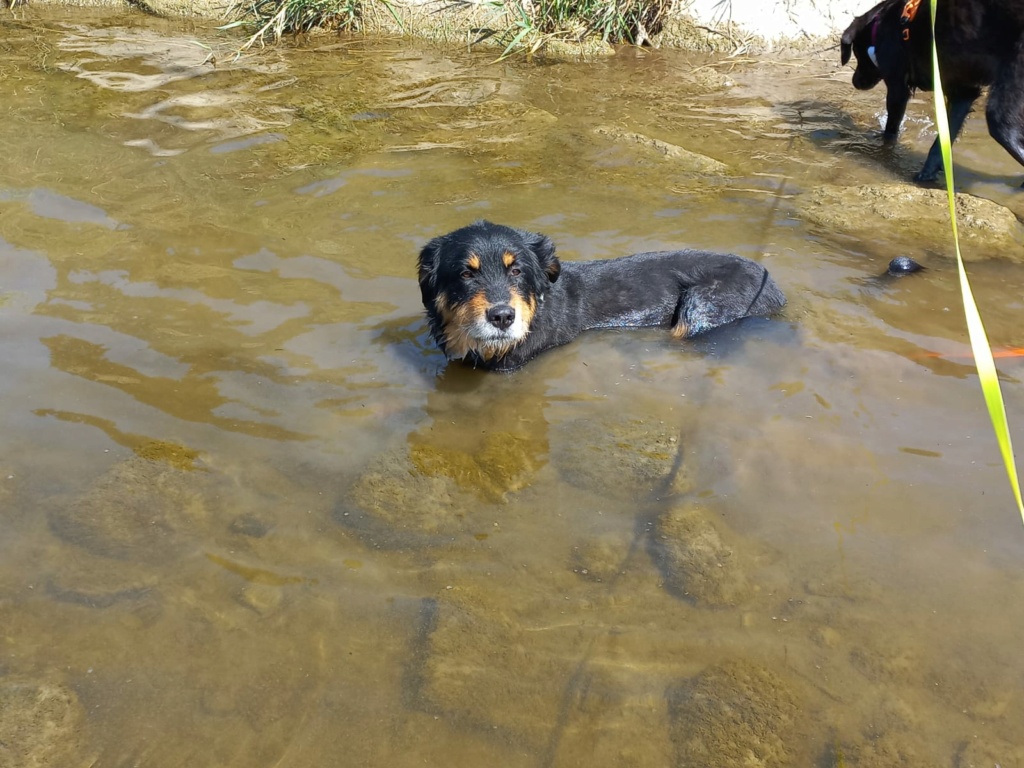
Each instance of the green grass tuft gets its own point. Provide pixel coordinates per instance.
(275, 18)
(518, 25)
(615, 21)
(532, 23)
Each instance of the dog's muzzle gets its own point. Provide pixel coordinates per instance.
(864, 80)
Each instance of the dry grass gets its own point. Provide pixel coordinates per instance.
(520, 25)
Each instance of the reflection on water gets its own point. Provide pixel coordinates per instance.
(251, 518)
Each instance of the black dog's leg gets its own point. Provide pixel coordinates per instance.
(957, 109)
(897, 94)
(1005, 110)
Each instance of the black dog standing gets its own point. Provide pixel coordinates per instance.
(979, 44)
(498, 296)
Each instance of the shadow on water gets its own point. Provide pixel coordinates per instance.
(835, 130)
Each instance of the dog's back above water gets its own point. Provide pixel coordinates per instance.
(497, 296)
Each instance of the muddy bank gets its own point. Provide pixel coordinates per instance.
(915, 219)
(736, 27)
(733, 27)
(755, 26)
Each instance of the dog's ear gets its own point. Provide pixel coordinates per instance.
(846, 41)
(544, 249)
(428, 268)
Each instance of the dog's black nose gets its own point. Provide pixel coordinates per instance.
(501, 316)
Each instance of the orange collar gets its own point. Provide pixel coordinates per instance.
(910, 8)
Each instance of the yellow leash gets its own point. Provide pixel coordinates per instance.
(976, 330)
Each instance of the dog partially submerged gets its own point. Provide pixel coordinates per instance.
(979, 42)
(498, 296)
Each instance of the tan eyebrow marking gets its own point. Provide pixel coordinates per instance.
(508, 258)
(473, 262)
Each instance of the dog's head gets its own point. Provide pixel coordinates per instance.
(482, 286)
(860, 39)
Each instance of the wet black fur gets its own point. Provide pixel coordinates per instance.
(702, 289)
(979, 44)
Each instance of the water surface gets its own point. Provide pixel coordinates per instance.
(251, 517)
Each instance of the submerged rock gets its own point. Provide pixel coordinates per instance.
(734, 714)
(486, 671)
(394, 504)
(600, 559)
(137, 510)
(92, 597)
(888, 750)
(684, 159)
(40, 726)
(620, 460)
(891, 736)
(545, 687)
(916, 218)
(888, 662)
(493, 123)
(985, 753)
(428, 491)
(695, 563)
(490, 468)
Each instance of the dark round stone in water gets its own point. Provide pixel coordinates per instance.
(903, 265)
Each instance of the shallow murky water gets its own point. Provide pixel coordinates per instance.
(251, 518)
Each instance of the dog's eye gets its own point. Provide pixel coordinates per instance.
(515, 271)
(466, 274)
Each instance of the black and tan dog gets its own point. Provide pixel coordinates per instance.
(979, 44)
(498, 296)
